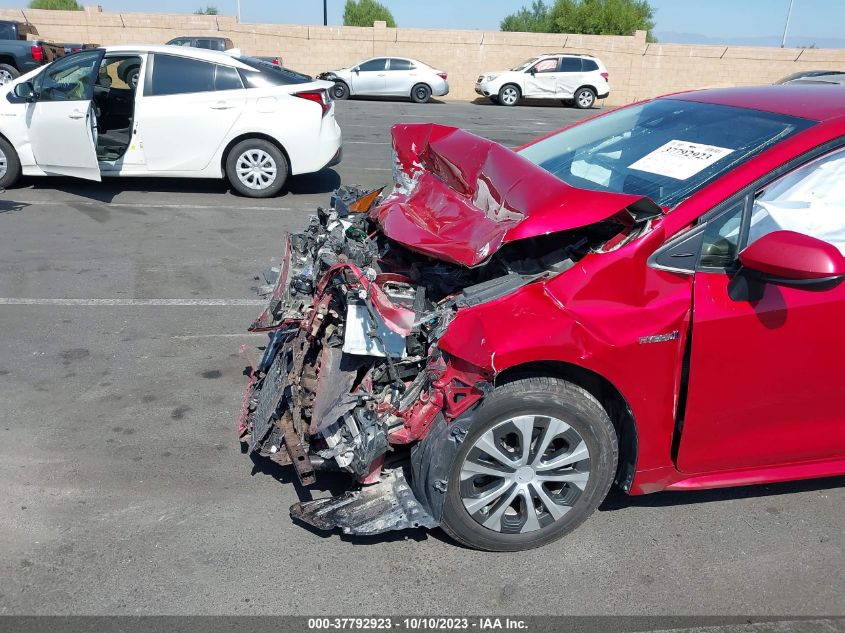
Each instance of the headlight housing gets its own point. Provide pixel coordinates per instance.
(490, 77)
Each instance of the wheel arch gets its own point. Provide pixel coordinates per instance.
(608, 395)
(248, 135)
(421, 83)
(591, 87)
(9, 60)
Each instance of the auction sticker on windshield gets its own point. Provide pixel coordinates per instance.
(680, 159)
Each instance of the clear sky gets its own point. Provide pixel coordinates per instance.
(731, 21)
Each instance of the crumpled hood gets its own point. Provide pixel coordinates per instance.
(458, 197)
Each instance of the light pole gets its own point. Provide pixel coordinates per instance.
(786, 26)
(325, 13)
(238, 4)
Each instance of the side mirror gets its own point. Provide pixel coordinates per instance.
(793, 259)
(25, 91)
(533, 71)
(356, 70)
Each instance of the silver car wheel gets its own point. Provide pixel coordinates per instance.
(5, 77)
(509, 96)
(256, 169)
(524, 474)
(585, 99)
(4, 163)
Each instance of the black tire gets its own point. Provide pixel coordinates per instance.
(585, 98)
(546, 398)
(8, 73)
(509, 95)
(132, 76)
(13, 164)
(261, 148)
(420, 93)
(340, 91)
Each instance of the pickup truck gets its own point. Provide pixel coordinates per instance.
(18, 54)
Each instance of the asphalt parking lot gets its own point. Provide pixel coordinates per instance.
(123, 489)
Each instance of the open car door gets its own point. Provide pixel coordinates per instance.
(62, 122)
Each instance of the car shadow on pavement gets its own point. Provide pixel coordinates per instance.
(618, 500)
(538, 103)
(10, 206)
(324, 181)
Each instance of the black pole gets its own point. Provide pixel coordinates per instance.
(325, 13)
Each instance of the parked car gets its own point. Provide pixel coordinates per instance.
(194, 113)
(388, 77)
(19, 54)
(575, 79)
(211, 43)
(651, 297)
(814, 76)
(276, 60)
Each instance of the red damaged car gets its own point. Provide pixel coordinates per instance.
(652, 297)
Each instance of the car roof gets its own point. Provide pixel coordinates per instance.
(203, 54)
(569, 55)
(818, 102)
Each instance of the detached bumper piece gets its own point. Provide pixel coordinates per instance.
(388, 505)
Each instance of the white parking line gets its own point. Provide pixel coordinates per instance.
(27, 301)
(366, 143)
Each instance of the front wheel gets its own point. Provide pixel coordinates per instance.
(256, 168)
(420, 93)
(539, 458)
(340, 91)
(584, 99)
(509, 95)
(10, 164)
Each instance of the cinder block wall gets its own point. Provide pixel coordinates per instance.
(637, 70)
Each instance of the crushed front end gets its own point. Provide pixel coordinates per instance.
(352, 377)
(351, 374)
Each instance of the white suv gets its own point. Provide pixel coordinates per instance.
(579, 79)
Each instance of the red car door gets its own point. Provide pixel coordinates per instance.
(766, 380)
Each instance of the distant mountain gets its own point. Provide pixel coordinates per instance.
(673, 37)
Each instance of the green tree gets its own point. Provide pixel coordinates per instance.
(533, 20)
(365, 12)
(209, 10)
(59, 5)
(590, 17)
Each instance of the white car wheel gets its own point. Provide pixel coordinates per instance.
(256, 168)
(509, 95)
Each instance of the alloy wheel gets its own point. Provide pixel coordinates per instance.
(4, 164)
(585, 99)
(5, 77)
(524, 474)
(509, 96)
(256, 169)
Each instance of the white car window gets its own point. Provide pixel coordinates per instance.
(809, 200)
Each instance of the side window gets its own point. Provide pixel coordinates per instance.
(70, 78)
(809, 200)
(178, 75)
(182, 41)
(720, 245)
(214, 45)
(570, 65)
(401, 64)
(227, 78)
(546, 65)
(118, 72)
(373, 65)
(588, 65)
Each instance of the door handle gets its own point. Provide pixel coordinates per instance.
(76, 114)
(221, 105)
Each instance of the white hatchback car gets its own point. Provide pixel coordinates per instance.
(389, 77)
(576, 79)
(193, 113)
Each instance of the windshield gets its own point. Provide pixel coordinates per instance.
(525, 64)
(665, 149)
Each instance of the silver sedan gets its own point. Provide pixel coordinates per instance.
(388, 77)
